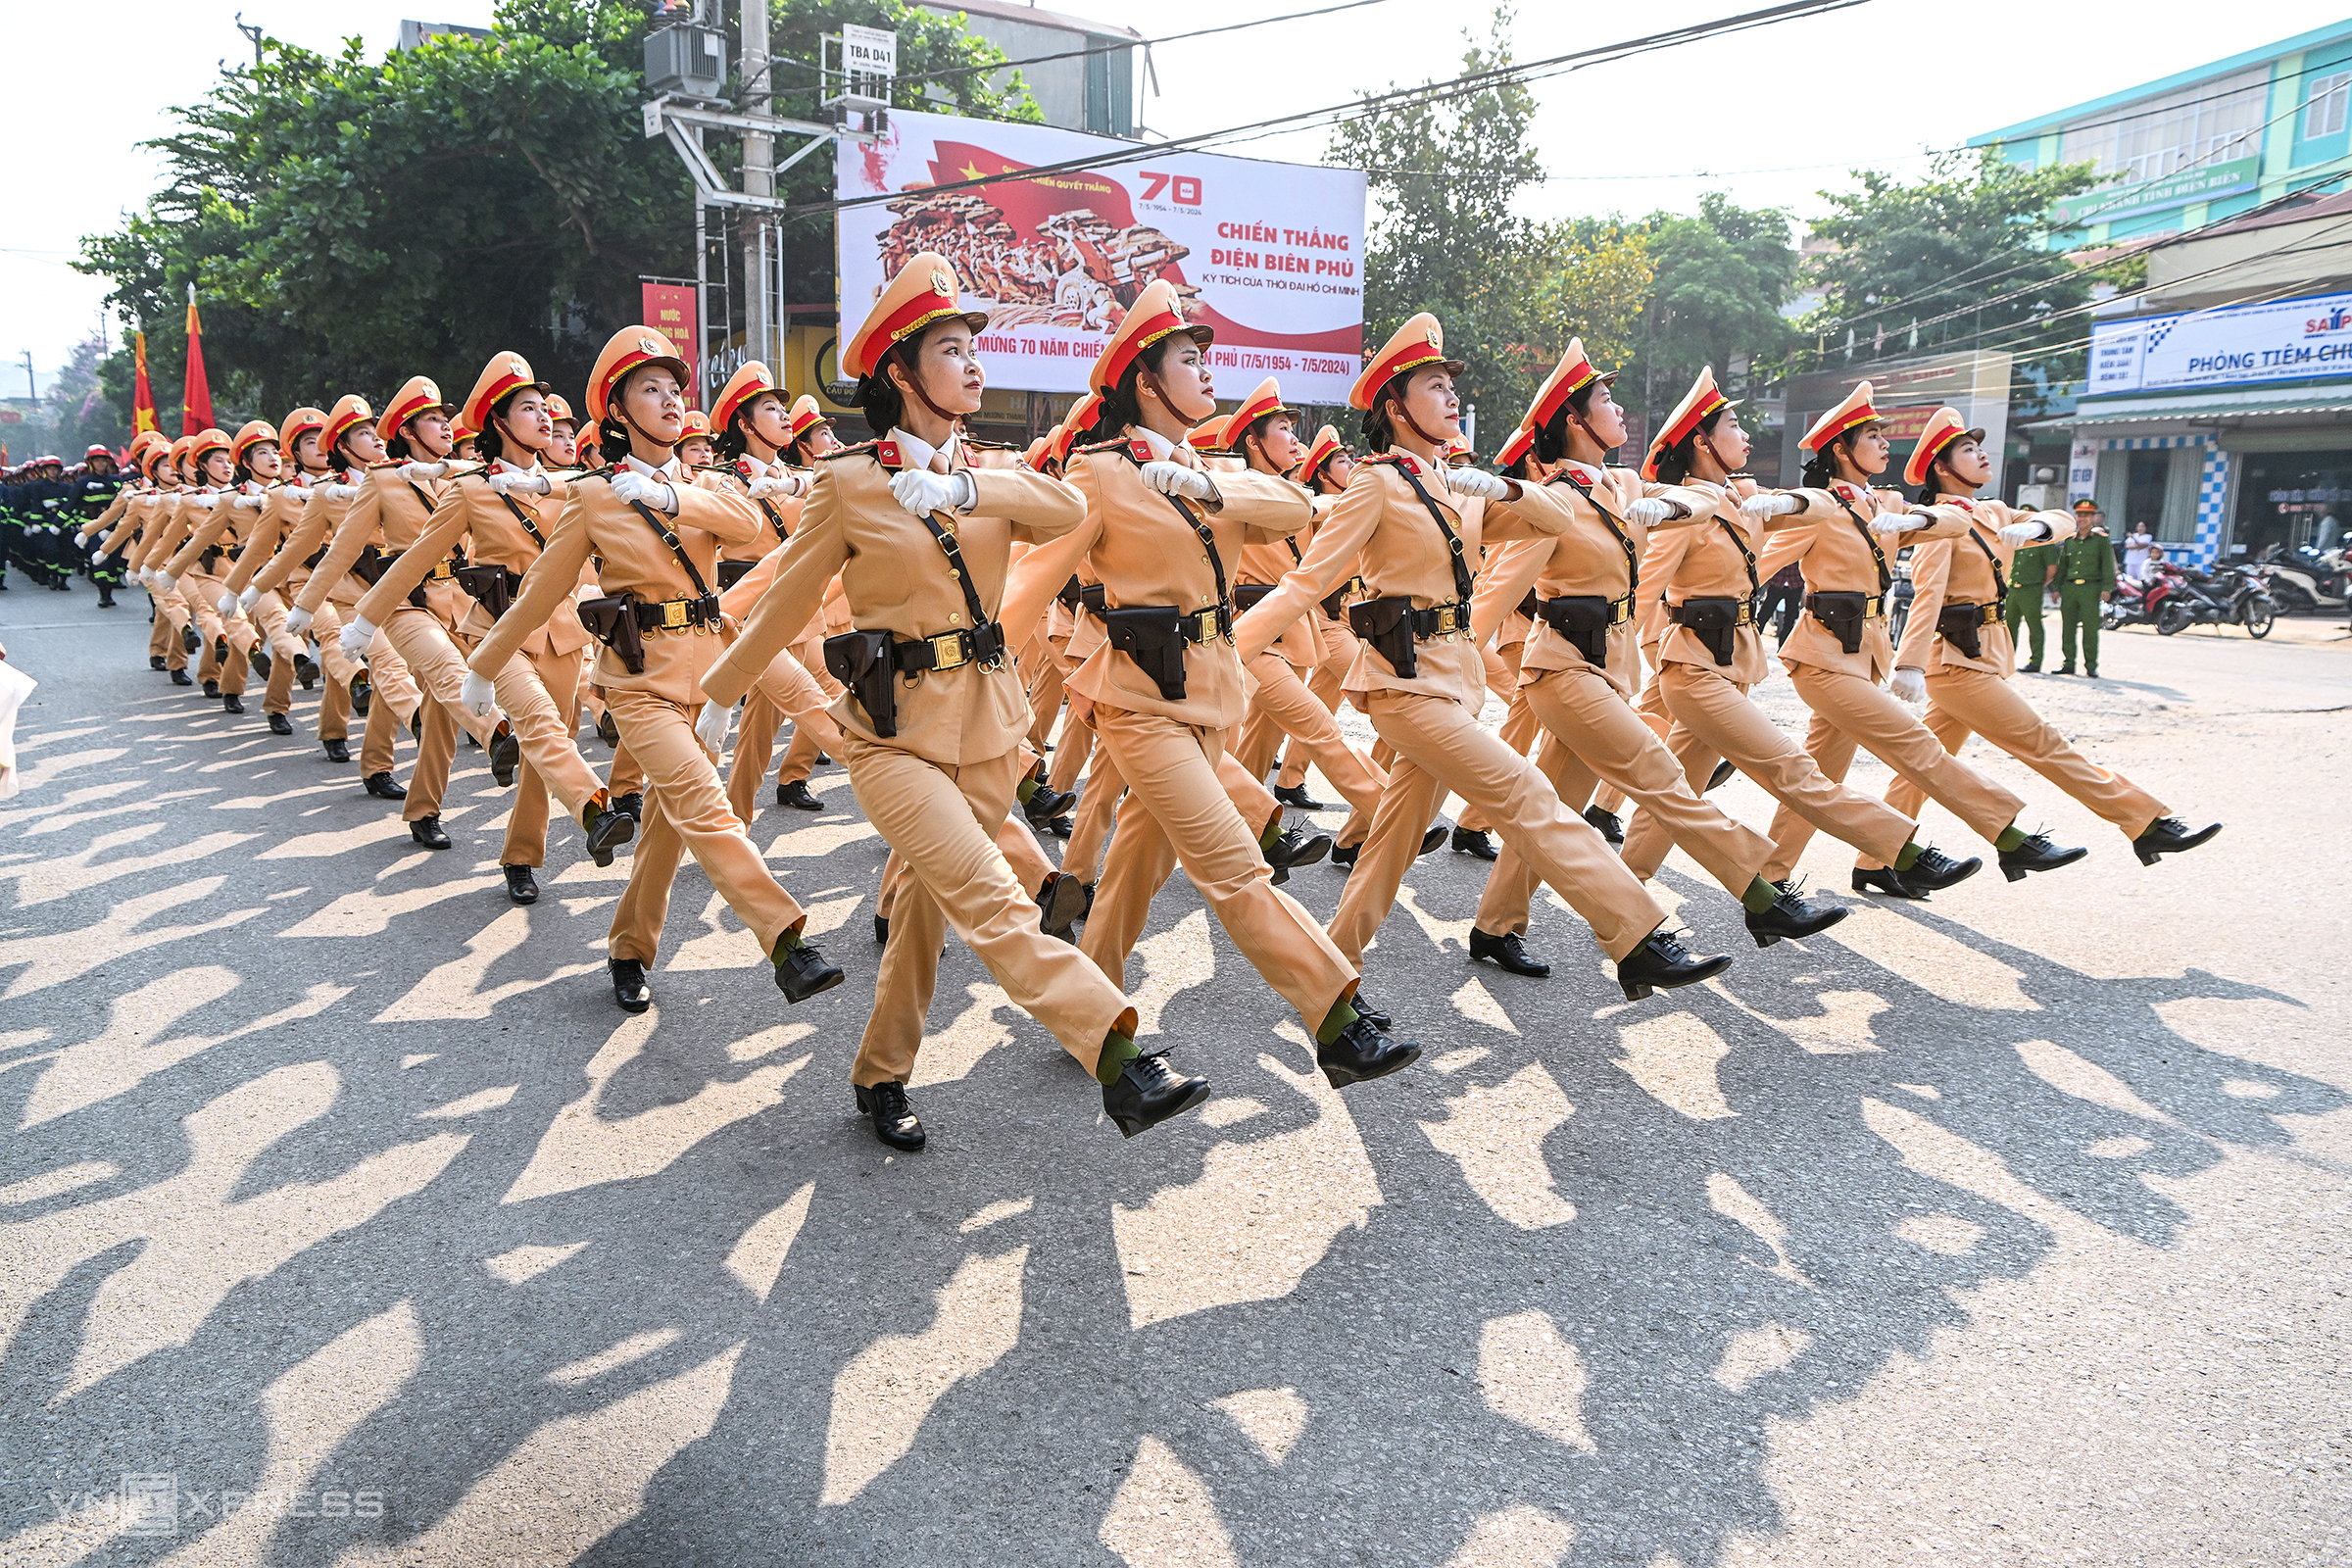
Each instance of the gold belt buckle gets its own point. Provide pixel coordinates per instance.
(1621, 611)
(1989, 614)
(1873, 609)
(946, 650)
(673, 615)
(1206, 622)
(441, 571)
(1449, 621)
(1746, 615)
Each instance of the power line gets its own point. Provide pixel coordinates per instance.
(1146, 43)
(1371, 104)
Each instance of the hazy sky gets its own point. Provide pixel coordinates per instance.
(1769, 115)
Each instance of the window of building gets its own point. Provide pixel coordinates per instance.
(2324, 110)
(2198, 126)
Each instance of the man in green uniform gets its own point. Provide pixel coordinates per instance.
(2029, 580)
(2085, 578)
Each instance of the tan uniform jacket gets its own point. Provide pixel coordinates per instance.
(1269, 561)
(287, 572)
(167, 528)
(1837, 557)
(1145, 554)
(1706, 561)
(1381, 527)
(227, 526)
(392, 514)
(472, 514)
(636, 562)
(896, 579)
(782, 515)
(280, 517)
(1956, 572)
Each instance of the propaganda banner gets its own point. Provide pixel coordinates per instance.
(2275, 340)
(1270, 255)
(669, 308)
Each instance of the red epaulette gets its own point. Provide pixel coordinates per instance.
(862, 446)
(1117, 445)
(1398, 459)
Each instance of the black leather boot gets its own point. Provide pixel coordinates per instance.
(212, 688)
(628, 984)
(1473, 842)
(1508, 953)
(280, 725)
(1296, 848)
(2037, 853)
(305, 671)
(1148, 1092)
(1721, 776)
(1046, 803)
(233, 704)
(1061, 827)
(521, 885)
(610, 829)
(797, 795)
(336, 750)
(1344, 856)
(1887, 880)
(190, 641)
(1368, 1010)
(882, 930)
(506, 756)
(2170, 835)
(155, 660)
(426, 830)
(1061, 903)
(1439, 832)
(1606, 823)
(1361, 1052)
(1791, 917)
(607, 732)
(180, 677)
(1297, 797)
(1662, 963)
(802, 972)
(895, 1121)
(1935, 870)
(257, 661)
(361, 694)
(381, 786)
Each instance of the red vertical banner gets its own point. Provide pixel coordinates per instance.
(196, 401)
(142, 395)
(669, 308)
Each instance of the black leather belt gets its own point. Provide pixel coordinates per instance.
(948, 649)
(1442, 620)
(677, 614)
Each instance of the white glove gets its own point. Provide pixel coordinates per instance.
(506, 482)
(203, 501)
(228, 606)
(166, 583)
(1476, 482)
(252, 503)
(1910, 685)
(922, 492)
(342, 492)
(245, 599)
(358, 633)
(1887, 524)
(1175, 479)
(423, 471)
(97, 555)
(1763, 505)
(477, 693)
(786, 483)
(2025, 531)
(710, 725)
(628, 485)
(1650, 512)
(298, 621)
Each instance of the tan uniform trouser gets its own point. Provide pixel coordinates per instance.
(393, 692)
(945, 824)
(1106, 786)
(785, 688)
(1339, 647)
(1593, 732)
(1652, 708)
(1965, 702)
(1519, 730)
(437, 667)
(1714, 719)
(540, 695)
(202, 591)
(686, 813)
(171, 619)
(1849, 712)
(1043, 672)
(268, 616)
(1285, 706)
(1441, 745)
(1176, 812)
(1030, 867)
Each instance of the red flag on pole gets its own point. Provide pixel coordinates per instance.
(142, 395)
(196, 403)
(671, 310)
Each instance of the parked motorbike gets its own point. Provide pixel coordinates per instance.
(2131, 604)
(2306, 581)
(2225, 597)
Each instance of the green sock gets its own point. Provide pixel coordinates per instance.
(1027, 789)
(1909, 856)
(1342, 1013)
(2010, 838)
(1117, 1052)
(786, 942)
(1759, 897)
(1273, 832)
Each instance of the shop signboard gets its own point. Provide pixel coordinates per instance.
(2235, 345)
(1269, 255)
(2201, 184)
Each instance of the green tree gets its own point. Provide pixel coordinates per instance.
(1957, 260)
(1719, 280)
(350, 222)
(1442, 238)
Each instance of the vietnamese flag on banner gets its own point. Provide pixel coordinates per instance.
(669, 308)
(142, 395)
(1028, 203)
(196, 402)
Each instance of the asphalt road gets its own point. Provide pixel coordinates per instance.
(343, 1220)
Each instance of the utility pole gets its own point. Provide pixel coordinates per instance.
(762, 338)
(253, 32)
(33, 386)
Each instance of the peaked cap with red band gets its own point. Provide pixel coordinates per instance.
(625, 351)
(1703, 400)
(1156, 314)
(507, 372)
(137, 452)
(805, 416)
(1944, 427)
(926, 290)
(250, 435)
(1075, 423)
(207, 441)
(1210, 434)
(741, 388)
(1419, 342)
(558, 410)
(419, 396)
(350, 411)
(1521, 443)
(290, 428)
(1856, 409)
(1570, 377)
(1267, 399)
(1326, 447)
(697, 423)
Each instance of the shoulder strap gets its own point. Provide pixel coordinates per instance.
(1747, 557)
(524, 517)
(2000, 578)
(775, 519)
(1632, 556)
(1886, 576)
(1208, 542)
(962, 572)
(1453, 542)
(653, 521)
